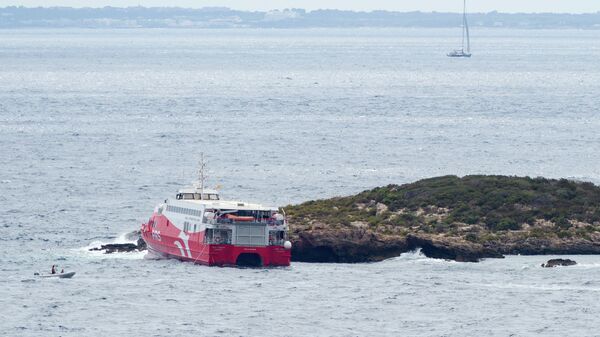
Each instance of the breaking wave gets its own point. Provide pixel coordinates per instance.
(127, 237)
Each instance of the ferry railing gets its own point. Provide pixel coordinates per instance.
(276, 242)
(255, 222)
(214, 241)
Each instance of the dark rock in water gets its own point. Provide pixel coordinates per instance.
(359, 245)
(449, 249)
(345, 246)
(118, 247)
(558, 262)
(141, 244)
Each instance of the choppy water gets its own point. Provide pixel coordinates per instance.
(96, 126)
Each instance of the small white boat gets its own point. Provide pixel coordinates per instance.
(61, 275)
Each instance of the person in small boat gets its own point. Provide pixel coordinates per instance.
(53, 271)
(62, 270)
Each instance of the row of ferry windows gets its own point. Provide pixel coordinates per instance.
(183, 210)
(197, 196)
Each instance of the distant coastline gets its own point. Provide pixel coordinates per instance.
(221, 17)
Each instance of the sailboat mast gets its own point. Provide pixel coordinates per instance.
(463, 25)
(466, 27)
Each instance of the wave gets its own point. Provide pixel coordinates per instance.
(416, 256)
(127, 237)
(537, 286)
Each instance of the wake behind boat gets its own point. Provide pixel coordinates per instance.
(200, 227)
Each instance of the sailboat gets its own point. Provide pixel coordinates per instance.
(465, 37)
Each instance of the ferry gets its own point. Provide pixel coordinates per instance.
(199, 226)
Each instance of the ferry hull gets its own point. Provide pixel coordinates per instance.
(227, 255)
(167, 240)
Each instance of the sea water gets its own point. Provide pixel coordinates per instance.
(98, 126)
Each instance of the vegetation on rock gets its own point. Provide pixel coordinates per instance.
(498, 213)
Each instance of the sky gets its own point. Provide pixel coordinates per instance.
(509, 6)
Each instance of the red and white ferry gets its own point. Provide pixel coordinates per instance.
(200, 227)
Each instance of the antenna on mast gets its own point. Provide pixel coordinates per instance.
(201, 172)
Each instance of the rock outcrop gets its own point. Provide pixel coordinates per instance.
(353, 246)
(451, 249)
(110, 248)
(462, 219)
(558, 262)
(117, 247)
(345, 246)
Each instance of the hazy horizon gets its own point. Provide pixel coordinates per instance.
(507, 6)
(223, 17)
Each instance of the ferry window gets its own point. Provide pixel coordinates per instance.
(197, 196)
(205, 196)
(213, 197)
(208, 234)
(178, 196)
(188, 196)
(276, 238)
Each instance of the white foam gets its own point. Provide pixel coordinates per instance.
(415, 255)
(121, 238)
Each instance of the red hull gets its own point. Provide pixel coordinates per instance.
(164, 238)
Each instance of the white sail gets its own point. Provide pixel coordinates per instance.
(466, 27)
(465, 37)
